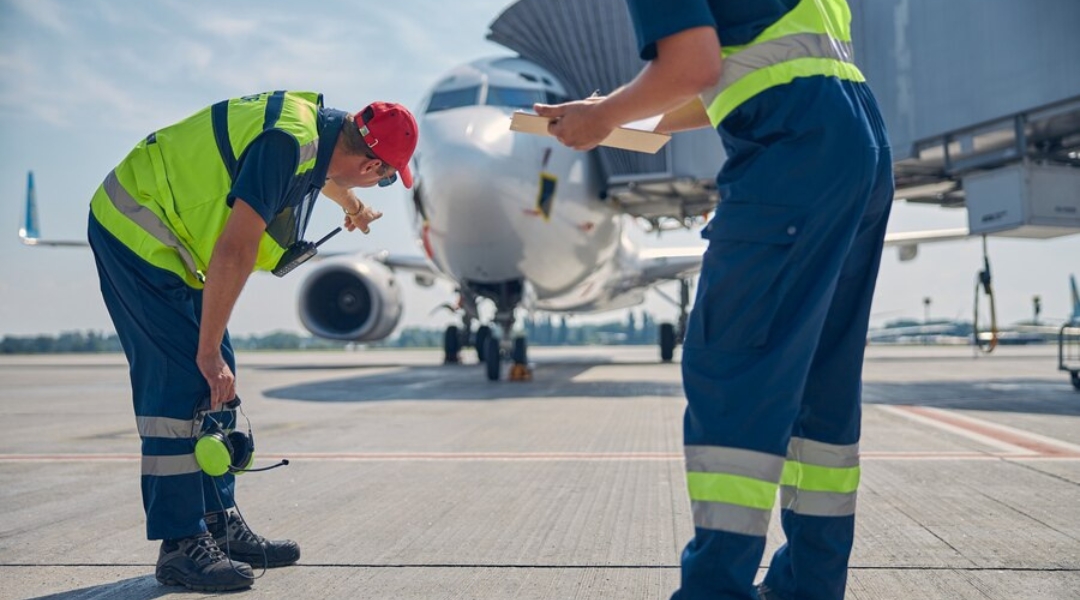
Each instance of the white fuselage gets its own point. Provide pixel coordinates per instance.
(495, 205)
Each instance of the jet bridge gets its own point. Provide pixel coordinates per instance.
(1018, 176)
(590, 46)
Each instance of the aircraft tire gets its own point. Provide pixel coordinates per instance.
(492, 360)
(520, 353)
(1075, 377)
(667, 342)
(482, 335)
(451, 346)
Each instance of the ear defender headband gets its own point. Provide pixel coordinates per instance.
(219, 453)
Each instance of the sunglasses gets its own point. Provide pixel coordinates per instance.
(387, 180)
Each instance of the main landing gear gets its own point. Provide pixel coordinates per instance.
(672, 335)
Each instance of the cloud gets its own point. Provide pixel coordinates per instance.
(46, 13)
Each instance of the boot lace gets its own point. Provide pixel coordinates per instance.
(239, 531)
(203, 550)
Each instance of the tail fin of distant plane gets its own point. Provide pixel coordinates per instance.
(1075, 298)
(30, 232)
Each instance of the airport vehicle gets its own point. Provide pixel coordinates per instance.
(1069, 340)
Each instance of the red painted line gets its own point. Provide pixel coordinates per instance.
(1041, 449)
(528, 456)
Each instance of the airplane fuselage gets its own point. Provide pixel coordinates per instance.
(496, 206)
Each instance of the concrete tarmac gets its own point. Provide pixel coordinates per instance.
(413, 480)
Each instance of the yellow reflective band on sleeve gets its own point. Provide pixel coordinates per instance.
(814, 478)
(760, 80)
(731, 489)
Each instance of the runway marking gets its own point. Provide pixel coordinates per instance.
(1010, 441)
(532, 456)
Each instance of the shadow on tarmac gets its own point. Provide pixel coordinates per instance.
(135, 588)
(467, 382)
(1034, 396)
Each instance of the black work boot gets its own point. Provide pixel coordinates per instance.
(244, 545)
(197, 563)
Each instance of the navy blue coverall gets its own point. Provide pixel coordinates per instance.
(772, 360)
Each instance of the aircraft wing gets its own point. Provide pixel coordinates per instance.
(665, 264)
(668, 264)
(907, 242)
(418, 266)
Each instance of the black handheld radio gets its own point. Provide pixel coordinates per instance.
(299, 253)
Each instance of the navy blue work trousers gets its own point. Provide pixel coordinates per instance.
(772, 360)
(156, 316)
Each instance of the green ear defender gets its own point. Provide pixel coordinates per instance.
(219, 453)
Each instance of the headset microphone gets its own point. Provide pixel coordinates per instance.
(283, 463)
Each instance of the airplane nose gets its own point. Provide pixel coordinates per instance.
(481, 128)
(475, 175)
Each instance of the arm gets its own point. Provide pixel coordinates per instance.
(357, 216)
(686, 64)
(691, 115)
(230, 265)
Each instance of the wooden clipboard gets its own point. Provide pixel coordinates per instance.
(637, 140)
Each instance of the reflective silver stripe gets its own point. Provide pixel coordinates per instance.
(146, 219)
(730, 517)
(163, 466)
(817, 504)
(165, 427)
(734, 461)
(309, 151)
(773, 52)
(821, 454)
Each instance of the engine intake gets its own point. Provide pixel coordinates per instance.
(353, 299)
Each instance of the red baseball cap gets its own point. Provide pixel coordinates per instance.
(389, 129)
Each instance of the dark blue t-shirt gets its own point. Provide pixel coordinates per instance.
(737, 22)
(266, 168)
(267, 180)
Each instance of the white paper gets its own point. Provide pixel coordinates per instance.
(648, 124)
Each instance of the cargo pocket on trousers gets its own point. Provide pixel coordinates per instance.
(744, 275)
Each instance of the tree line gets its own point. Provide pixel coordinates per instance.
(541, 331)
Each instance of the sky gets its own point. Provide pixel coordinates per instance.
(82, 81)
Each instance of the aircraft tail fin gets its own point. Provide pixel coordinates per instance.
(30, 232)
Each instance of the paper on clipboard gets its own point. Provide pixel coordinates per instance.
(638, 138)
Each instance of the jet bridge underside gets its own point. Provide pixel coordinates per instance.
(679, 190)
(1017, 176)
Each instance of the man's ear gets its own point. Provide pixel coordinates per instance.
(370, 164)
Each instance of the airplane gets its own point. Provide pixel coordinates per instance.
(515, 219)
(30, 232)
(518, 220)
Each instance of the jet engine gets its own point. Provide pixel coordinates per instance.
(352, 299)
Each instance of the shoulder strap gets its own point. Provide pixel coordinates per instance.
(219, 117)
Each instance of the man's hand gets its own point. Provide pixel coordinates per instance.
(361, 219)
(220, 377)
(581, 125)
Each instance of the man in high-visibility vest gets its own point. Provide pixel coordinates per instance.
(176, 229)
(772, 360)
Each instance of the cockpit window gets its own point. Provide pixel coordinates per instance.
(520, 97)
(454, 99)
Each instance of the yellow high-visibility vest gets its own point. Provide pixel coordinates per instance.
(814, 38)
